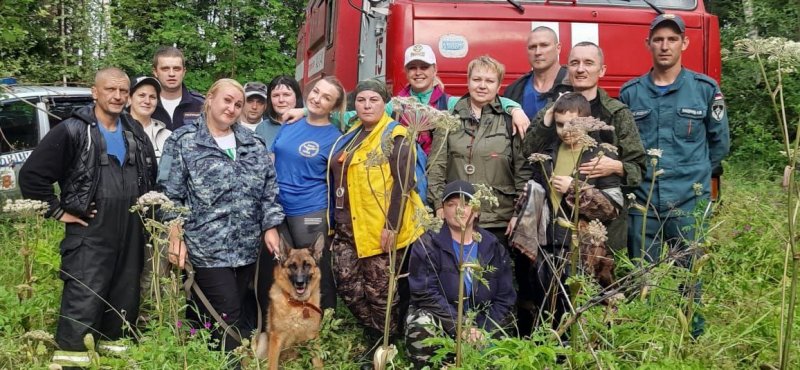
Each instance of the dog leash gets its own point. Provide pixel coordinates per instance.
(190, 285)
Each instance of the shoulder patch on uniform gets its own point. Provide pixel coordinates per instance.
(718, 107)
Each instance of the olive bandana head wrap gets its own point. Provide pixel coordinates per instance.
(373, 85)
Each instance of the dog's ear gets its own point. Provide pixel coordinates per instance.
(318, 246)
(285, 248)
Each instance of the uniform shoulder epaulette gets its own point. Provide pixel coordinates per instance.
(197, 95)
(705, 78)
(630, 83)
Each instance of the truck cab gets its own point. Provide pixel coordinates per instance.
(356, 40)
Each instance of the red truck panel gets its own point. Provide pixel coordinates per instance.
(497, 29)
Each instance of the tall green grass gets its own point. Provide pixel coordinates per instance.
(741, 302)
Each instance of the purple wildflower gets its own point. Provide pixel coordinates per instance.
(178, 324)
(207, 325)
(192, 331)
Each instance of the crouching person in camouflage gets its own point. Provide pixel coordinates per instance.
(434, 278)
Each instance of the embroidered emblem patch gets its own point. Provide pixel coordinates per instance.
(718, 107)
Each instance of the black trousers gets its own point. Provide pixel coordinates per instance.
(301, 232)
(227, 290)
(101, 263)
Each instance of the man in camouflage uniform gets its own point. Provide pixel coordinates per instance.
(232, 204)
(585, 67)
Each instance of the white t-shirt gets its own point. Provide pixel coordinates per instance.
(170, 105)
(251, 126)
(228, 144)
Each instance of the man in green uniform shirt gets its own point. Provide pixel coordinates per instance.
(680, 113)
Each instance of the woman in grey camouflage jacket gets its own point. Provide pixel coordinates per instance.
(221, 172)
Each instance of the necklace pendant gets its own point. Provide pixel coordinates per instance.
(340, 198)
(469, 168)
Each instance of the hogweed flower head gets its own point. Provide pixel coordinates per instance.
(609, 148)
(483, 197)
(655, 152)
(427, 219)
(593, 233)
(539, 158)
(776, 50)
(154, 199)
(25, 207)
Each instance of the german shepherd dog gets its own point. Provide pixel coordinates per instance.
(294, 315)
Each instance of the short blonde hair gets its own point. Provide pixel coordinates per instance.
(217, 85)
(491, 64)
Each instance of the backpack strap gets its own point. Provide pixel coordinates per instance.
(441, 103)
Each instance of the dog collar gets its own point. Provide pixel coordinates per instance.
(304, 305)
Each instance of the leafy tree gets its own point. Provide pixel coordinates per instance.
(52, 41)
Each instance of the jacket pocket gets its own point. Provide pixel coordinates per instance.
(72, 258)
(689, 123)
(644, 122)
(505, 199)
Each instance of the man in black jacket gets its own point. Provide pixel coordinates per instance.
(102, 162)
(177, 105)
(547, 77)
(534, 91)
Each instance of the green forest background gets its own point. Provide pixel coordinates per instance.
(53, 41)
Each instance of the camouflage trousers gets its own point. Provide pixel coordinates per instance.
(363, 283)
(420, 325)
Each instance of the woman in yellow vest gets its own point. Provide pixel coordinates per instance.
(370, 208)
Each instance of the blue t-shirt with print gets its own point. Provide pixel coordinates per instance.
(301, 163)
(115, 142)
(532, 100)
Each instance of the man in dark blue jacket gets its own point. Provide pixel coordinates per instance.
(434, 277)
(177, 105)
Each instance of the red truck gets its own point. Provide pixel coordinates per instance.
(359, 39)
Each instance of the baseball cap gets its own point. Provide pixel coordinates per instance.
(668, 17)
(420, 52)
(255, 88)
(458, 187)
(138, 82)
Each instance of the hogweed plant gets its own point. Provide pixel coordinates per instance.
(578, 133)
(418, 118)
(28, 219)
(776, 58)
(162, 280)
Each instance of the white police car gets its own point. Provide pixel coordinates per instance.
(27, 113)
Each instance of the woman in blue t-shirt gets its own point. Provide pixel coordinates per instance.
(301, 160)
